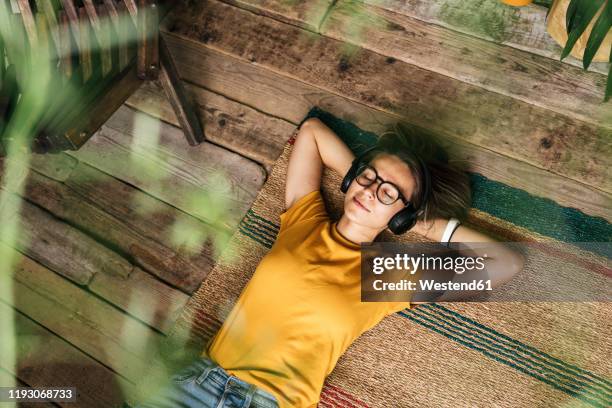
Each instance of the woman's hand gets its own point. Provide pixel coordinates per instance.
(501, 263)
(316, 145)
(335, 154)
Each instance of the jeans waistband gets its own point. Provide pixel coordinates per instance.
(214, 372)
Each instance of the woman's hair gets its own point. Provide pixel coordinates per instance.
(450, 185)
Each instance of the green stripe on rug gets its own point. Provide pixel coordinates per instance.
(592, 394)
(537, 214)
(576, 380)
(519, 346)
(256, 236)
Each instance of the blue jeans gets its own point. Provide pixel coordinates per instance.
(204, 384)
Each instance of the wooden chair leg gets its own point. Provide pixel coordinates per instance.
(148, 40)
(153, 49)
(182, 105)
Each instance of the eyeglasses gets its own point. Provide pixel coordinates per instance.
(387, 193)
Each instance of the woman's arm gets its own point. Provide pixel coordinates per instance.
(316, 145)
(435, 228)
(501, 263)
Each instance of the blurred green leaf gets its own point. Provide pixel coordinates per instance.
(579, 20)
(188, 235)
(600, 30)
(609, 84)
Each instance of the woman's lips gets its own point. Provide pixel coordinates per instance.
(359, 204)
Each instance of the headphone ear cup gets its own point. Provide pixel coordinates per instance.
(349, 177)
(403, 220)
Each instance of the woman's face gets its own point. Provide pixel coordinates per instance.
(360, 203)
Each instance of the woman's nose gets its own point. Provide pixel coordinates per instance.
(371, 190)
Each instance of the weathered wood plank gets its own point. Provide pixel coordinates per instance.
(522, 75)
(291, 99)
(142, 296)
(304, 13)
(127, 220)
(165, 166)
(56, 166)
(519, 27)
(242, 129)
(46, 360)
(111, 337)
(448, 107)
(60, 247)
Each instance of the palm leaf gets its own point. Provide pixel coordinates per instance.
(584, 12)
(600, 30)
(570, 14)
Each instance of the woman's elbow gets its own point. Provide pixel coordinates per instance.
(505, 267)
(514, 264)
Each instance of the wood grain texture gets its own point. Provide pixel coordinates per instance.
(61, 247)
(85, 55)
(127, 220)
(55, 166)
(142, 296)
(448, 107)
(303, 13)
(98, 329)
(100, 104)
(290, 99)
(230, 124)
(46, 360)
(165, 166)
(522, 75)
(519, 27)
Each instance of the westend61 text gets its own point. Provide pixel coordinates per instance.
(431, 285)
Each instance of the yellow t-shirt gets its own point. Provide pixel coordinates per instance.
(301, 309)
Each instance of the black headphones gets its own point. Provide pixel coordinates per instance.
(406, 218)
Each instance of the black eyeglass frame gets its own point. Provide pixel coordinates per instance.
(365, 166)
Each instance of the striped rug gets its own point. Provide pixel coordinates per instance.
(466, 354)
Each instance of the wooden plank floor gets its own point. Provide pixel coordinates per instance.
(117, 236)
